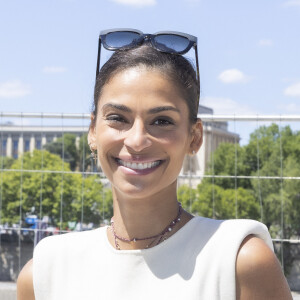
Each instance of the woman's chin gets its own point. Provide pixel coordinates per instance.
(133, 189)
(139, 189)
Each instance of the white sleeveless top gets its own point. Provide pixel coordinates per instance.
(197, 262)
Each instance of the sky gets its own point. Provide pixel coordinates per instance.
(249, 51)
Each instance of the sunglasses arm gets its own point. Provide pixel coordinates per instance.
(98, 57)
(198, 73)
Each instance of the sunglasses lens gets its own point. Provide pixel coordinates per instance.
(171, 43)
(121, 39)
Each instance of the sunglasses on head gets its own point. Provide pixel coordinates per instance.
(173, 42)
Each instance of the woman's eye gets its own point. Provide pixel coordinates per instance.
(115, 119)
(163, 122)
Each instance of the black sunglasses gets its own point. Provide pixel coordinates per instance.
(165, 41)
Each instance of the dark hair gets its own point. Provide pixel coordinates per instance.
(176, 67)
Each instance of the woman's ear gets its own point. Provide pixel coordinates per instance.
(92, 134)
(197, 137)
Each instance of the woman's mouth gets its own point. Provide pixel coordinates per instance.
(139, 167)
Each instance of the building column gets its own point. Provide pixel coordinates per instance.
(77, 142)
(44, 141)
(20, 146)
(9, 146)
(32, 143)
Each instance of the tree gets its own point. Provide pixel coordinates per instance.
(65, 147)
(94, 202)
(272, 151)
(6, 162)
(55, 192)
(291, 202)
(78, 155)
(85, 159)
(186, 196)
(214, 201)
(229, 159)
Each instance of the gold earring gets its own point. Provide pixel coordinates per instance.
(94, 155)
(93, 149)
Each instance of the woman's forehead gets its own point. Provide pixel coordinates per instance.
(141, 86)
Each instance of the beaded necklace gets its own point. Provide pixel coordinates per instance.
(159, 236)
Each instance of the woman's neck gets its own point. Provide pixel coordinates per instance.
(145, 217)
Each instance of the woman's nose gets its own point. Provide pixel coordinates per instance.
(137, 137)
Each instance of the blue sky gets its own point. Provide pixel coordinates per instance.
(248, 50)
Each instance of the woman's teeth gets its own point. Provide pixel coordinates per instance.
(138, 166)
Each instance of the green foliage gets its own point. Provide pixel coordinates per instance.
(77, 155)
(229, 159)
(217, 202)
(272, 151)
(213, 201)
(95, 202)
(186, 196)
(6, 162)
(65, 147)
(84, 153)
(63, 196)
(291, 203)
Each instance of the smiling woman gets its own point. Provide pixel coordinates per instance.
(142, 119)
(143, 124)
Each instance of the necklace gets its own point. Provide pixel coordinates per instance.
(159, 236)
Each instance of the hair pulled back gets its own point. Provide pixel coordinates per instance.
(176, 67)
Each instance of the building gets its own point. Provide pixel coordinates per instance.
(214, 133)
(15, 140)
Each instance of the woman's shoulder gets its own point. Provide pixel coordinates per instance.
(247, 244)
(258, 272)
(246, 226)
(73, 241)
(69, 237)
(25, 283)
(229, 233)
(228, 222)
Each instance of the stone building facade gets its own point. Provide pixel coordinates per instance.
(15, 140)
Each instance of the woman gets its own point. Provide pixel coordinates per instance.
(143, 124)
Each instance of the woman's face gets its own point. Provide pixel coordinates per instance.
(142, 132)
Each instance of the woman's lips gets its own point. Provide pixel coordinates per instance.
(138, 168)
(138, 165)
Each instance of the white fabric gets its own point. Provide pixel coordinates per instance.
(197, 262)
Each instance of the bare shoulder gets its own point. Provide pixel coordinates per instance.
(25, 283)
(258, 272)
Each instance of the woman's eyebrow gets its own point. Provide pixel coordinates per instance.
(150, 111)
(116, 106)
(162, 108)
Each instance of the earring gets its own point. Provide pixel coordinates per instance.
(93, 152)
(193, 152)
(94, 155)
